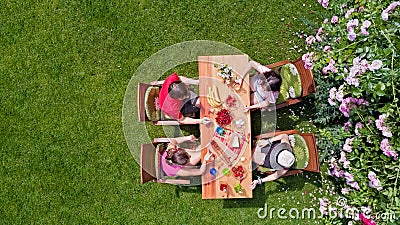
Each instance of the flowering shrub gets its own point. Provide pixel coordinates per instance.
(355, 59)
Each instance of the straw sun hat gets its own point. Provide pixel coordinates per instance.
(281, 156)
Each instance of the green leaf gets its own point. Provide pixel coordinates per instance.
(357, 92)
(370, 56)
(380, 89)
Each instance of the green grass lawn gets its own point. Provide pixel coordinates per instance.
(65, 66)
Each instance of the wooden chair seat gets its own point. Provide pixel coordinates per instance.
(150, 165)
(307, 82)
(141, 101)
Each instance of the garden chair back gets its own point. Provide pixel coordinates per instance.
(150, 166)
(313, 162)
(143, 101)
(307, 82)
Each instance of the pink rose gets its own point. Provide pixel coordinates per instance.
(334, 19)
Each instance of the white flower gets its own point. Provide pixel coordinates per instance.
(291, 92)
(354, 70)
(331, 102)
(340, 94)
(310, 40)
(356, 61)
(375, 65)
(385, 15)
(293, 69)
(366, 23)
(332, 93)
(227, 71)
(292, 140)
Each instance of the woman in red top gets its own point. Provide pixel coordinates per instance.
(177, 101)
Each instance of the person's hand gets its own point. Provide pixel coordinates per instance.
(262, 142)
(239, 81)
(192, 138)
(262, 69)
(246, 109)
(207, 156)
(253, 184)
(205, 120)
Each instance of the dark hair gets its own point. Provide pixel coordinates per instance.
(178, 89)
(177, 156)
(274, 80)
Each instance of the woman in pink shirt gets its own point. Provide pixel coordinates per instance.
(180, 162)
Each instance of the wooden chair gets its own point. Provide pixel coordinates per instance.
(150, 165)
(141, 101)
(313, 162)
(307, 82)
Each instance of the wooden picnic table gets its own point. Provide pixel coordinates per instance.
(226, 156)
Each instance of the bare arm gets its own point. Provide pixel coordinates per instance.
(192, 172)
(271, 177)
(189, 120)
(259, 105)
(254, 65)
(284, 138)
(274, 176)
(180, 140)
(195, 172)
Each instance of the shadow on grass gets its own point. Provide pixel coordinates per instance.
(295, 183)
(257, 201)
(187, 189)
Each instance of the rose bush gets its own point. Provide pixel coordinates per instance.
(354, 56)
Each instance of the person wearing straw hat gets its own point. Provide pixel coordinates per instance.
(274, 153)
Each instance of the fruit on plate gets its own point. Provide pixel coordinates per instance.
(230, 101)
(213, 97)
(223, 117)
(238, 171)
(238, 188)
(223, 187)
